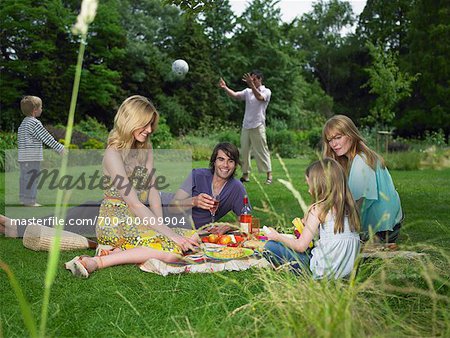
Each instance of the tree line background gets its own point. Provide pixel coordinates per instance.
(393, 70)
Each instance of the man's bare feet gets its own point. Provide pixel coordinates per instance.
(3, 219)
(7, 227)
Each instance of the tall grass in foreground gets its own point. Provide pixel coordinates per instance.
(397, 297)
(86, 16)
(268, 207)
(383, 297)
(298, 306)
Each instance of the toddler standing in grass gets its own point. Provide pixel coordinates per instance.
(31, 136)
(334, 215)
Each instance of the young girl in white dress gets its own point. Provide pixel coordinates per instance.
(333, 215)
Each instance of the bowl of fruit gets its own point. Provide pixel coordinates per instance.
(228, 240)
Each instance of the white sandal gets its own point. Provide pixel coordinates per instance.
(103, 250)
(77, 267)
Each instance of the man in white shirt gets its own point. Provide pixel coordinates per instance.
(253, 134)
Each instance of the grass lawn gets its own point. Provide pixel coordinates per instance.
(400, 297)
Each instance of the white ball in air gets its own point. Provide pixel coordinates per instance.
(180, 67)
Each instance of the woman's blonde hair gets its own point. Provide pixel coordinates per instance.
(341, 124)
(328, 186)
(134, 113)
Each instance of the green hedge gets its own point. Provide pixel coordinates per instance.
(8, 140)
(291, 144)
(403, 160)
(91, 134)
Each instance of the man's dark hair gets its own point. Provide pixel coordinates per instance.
(230, 150)
(258, 74)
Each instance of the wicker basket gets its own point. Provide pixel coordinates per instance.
(39, 238)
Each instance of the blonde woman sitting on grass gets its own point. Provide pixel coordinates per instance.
(134, 230)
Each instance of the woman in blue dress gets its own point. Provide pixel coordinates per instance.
(368, 178)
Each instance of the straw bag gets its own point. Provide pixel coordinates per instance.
(39, 238)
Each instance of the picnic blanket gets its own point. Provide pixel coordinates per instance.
(164, 269)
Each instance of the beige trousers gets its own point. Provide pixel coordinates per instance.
(253, 141)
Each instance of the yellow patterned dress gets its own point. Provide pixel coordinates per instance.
(119, 227)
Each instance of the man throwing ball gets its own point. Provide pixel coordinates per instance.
(253, 134)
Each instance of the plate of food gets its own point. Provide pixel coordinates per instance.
(228, 253)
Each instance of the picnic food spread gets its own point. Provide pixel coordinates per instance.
(234, 244)
(224, 248)
(226, 253)
(229, 240)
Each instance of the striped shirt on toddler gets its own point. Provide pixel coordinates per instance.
(31, 136)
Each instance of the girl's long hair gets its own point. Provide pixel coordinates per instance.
(341, 124)
(134, 113)
(328, 186)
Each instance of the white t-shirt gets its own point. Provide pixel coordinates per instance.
(255, 110)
